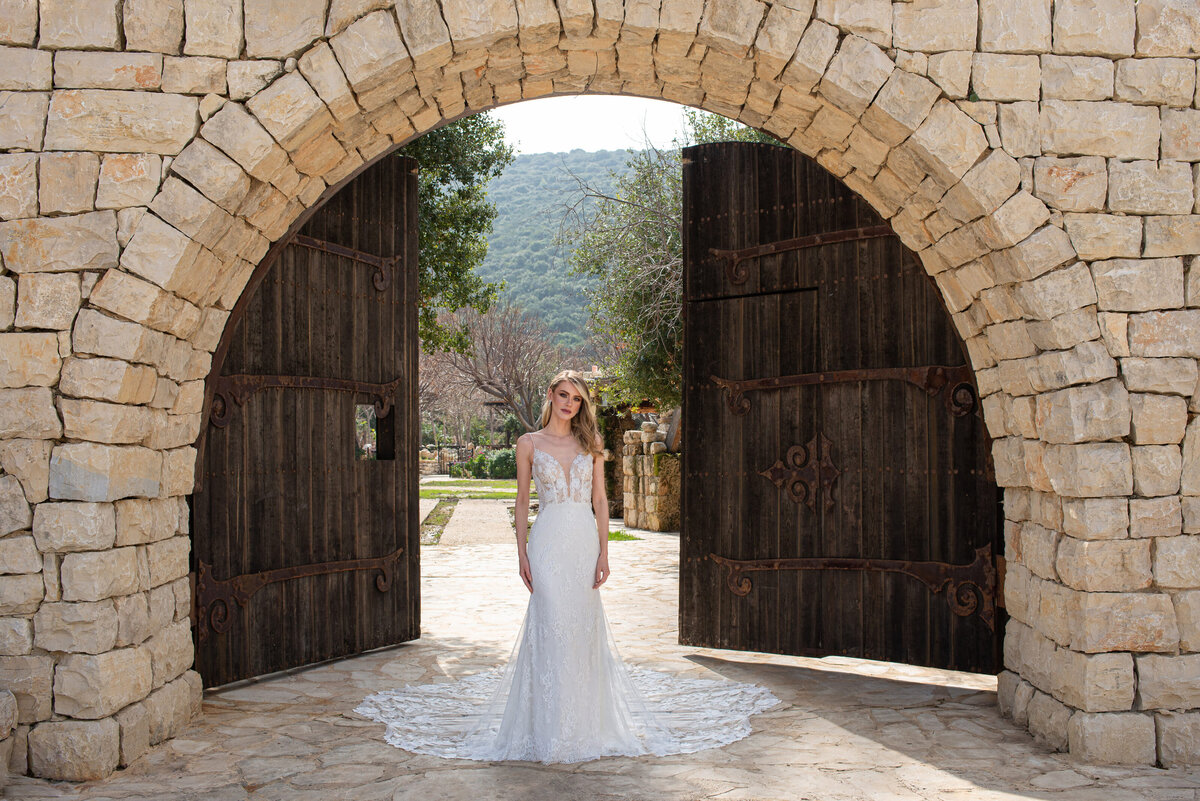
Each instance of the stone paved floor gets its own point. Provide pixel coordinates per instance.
(477, 521)
(848, 729)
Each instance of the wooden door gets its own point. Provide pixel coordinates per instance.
(837, 492)
(302, 551)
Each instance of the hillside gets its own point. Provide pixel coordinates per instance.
(532, 196)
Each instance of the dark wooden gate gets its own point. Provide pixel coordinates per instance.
(837, 490)
(301, 550)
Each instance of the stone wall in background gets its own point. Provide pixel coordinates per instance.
(651, 479)
(1042, 160)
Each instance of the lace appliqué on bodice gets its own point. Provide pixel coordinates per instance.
(554, 485)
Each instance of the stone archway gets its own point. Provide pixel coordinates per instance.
(1041, 164)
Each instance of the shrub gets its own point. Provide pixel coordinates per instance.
(503, 464)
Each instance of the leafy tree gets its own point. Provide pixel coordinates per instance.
(631, 245)
(457, 161)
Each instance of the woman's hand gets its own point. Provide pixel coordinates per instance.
(602, 571)
(526, 575)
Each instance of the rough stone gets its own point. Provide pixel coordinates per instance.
(171, 651)
(89, 628)
(16, 636)
(1019, 132)
(1155, 517)
(279, 30)
(1131, 285)
(128, 180)
(22, 119)
(1005, 77)
(1150, 187)
(1093, 682)
(135, 732)
(246, 78)
(1014, 26)
(1087, 413)
(1177, 562)
(83, 24)
(1096, 518)
(1187, 614)
(64, 527)
(1119, 130)
(214, 28)
(371, 52)
(120, 122)
(58, 244)
(193, 75)
(1168, 28)
(1168, 682)
(22, 69)
(1071, 184)
(1090, 469)
(1114, 621)
(1120, 738)
(168, 559)
(236, 132)
(29, 359)
(87, 471)
(1158, 419)
(154, 25)
(29, 679)
(95, 686)
(1181, 134)
(1048, 721)
(1104, 236)
(18, 22)
(169, 707)
(1076, 78)
(1177, 235)
(93, 70)
(1104, 565)
(19, 555)
(44, 300)
(18, 186)
(28, 412)
(935, 26)
(1094, 27)
(1177, 736)
(74, 750)
(28, 461)
(108, 379)
(857, 72)
(144, 521)
(96, 575)
(871, 19)
(290, 110)
(1156, 81)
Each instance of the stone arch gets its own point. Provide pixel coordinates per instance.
(1040, 165)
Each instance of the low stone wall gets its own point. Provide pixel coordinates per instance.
(651, 490)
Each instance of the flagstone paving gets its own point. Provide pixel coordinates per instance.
(479, 521)
(846, 729)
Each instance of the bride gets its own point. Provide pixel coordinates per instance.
(565, 695)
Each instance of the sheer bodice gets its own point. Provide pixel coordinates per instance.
(556, 485)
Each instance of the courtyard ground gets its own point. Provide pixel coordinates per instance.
(846, 729)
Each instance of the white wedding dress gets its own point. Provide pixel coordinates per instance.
(565, 695)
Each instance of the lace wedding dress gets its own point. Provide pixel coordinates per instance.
(565, 695)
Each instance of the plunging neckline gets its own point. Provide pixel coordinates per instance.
(566, 471)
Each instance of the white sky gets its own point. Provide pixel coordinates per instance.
(591, 122)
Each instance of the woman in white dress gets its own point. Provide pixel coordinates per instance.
(565, 695)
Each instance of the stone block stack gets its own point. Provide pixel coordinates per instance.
(651, 479)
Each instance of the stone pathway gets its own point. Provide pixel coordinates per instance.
(425, 506)
(475, 522)
(848, 730)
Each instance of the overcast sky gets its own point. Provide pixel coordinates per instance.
(592, 122)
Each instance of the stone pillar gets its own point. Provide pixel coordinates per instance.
(651, 480)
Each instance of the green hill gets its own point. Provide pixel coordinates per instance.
(532, 196)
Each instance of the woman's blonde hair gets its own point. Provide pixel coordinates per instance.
(583, 424)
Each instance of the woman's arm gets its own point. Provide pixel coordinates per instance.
(600, 507)
(521, 513)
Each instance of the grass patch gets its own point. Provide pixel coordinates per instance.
(469, 492)
(435, 522)
(617, 535)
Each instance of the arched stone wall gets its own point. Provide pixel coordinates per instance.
(1041, 159)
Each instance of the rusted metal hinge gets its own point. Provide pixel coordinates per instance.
(737, 273)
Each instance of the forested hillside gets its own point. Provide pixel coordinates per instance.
(532, 195)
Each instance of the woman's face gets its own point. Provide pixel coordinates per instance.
(565, 400)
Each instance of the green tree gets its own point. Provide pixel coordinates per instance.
(456, 161)
(631, 244)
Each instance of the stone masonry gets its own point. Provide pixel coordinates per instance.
(651, 483)
(1041, 158)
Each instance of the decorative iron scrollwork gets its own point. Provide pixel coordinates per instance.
(240, 387)
(969, 589)
(805, 470)
(931, 380)
(214, 596)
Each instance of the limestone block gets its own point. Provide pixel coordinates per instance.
(320, 68)
(1156, 469)
(161, 254)
(65, 527)
(1018, 128)
(1177, 235)
(28, 412)
(1156, 81)
(107, 379)
(179, 471)
(1057, 292)
(1155, 517)
(1104, 565)
(168, 559)
(985, 186)
(1089, 470)
(816, 48)
(1104, 236)
(1022, 26)
(20, 594)
(1187, 614)
(1133, 285)
(1004, 77)
(74, 750)
(1168, 28)
(133, 619)
(29, 359)
(1017, 219)
(900, 107)
(23, 69)
(18, 22)
(191, 213)
(1076, 77)
(96, 421)
(1096, 518)
(1113, 621)
(948, 143)
(89, 628)
(1093, 27)
(92, 472)
(1065, 330)
(236, 132)
(128, 179)
(94, 686)
(16, 636)
(1149, 187)
(94, 70)
(730, 27)
(214, 28)
(169, 708)
(1071, 184)
(18, 186)
(934, 26)
(171, 651)
(951, 71)
(82, 242)
(29, 679)
(96, 575)
(1190, 506)
(197, 75)
(98, 334)
(858, 70)
(246, 78)
(290, 110)
(1177, 563)
(1168, 682)
(1180, 134)
(1177, 736)
(44, 300)
(1121, 738)
(22, 119)
(1158, 419)
(372, 53)
(135, 732)
(1081, 414)
(1166, 333)
(84, 24)
(1119, 130)
(142, 521)
(1114, 330)
(1048, 721)
(153, 25)
(279, 30)
(872, 20)
(1094, 682)
(119, 122)
(213, 173)
(162, 607)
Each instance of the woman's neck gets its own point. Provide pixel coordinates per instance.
(557, 428)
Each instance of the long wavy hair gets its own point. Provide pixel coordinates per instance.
(583, 424)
